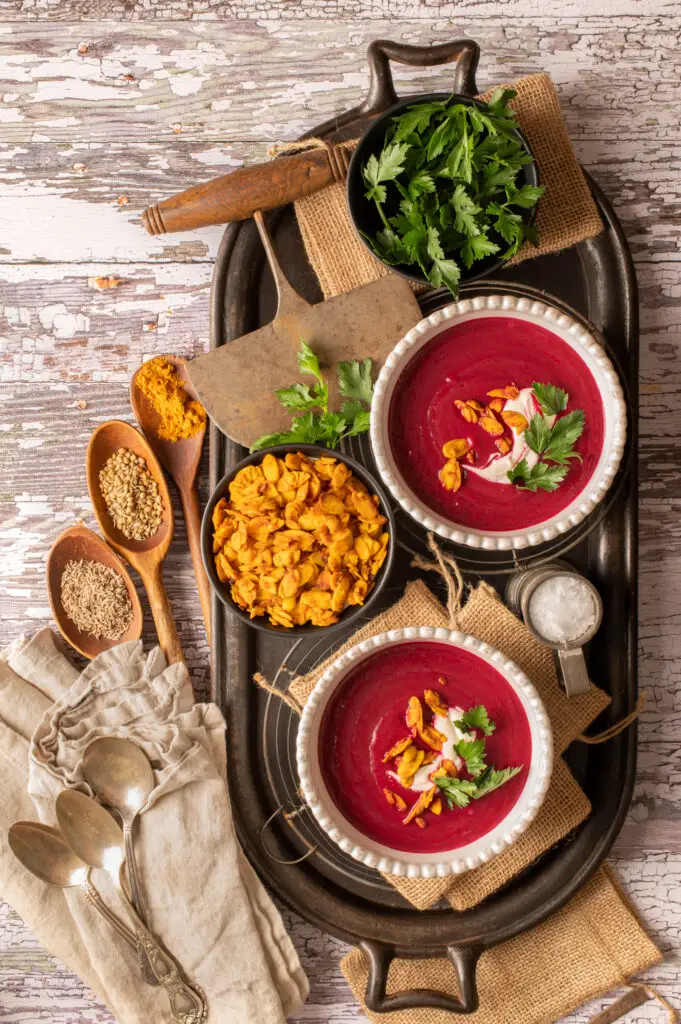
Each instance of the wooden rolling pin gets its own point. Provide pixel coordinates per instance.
(238, 195)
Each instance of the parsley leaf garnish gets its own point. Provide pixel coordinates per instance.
(485, 778)
(309, 363)
(354, 380)
(297, 396)
(445, 187)
(476, 718)
(538, 434)
(492, 778)
(458, 792)
(551, 399)
(540, 477)
(564, 433)
(473, 753)
(325, 426)
(555, 444)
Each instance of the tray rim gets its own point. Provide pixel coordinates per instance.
(420, 923)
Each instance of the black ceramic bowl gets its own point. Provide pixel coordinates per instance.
(363, 211)
(223, 589)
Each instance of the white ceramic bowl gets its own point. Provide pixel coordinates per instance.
(569, 331)
(427, 865)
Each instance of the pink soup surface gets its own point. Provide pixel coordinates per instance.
(466, 361)
(366, 716)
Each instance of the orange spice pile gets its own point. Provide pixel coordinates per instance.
(181, 415)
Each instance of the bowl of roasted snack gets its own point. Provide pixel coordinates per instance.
(298, 538)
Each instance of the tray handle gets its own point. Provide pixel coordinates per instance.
(465, 53)
(379, 957)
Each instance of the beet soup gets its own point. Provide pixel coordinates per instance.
(365, 717)
(464, 362)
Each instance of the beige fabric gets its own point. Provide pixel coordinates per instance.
(487, 618)
(585, 950)
(566, 214)
(203, 900)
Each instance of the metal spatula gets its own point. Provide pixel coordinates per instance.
(236, 381)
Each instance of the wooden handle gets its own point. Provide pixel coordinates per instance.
(237, 195)
(163, 616)
(192, 518)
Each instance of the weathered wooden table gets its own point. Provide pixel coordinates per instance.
(100, 118)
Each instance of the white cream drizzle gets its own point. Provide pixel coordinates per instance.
(497, 467)
(445, 725)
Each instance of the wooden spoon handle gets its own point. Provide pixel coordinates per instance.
(163, 616)
(237, 195)
(192, 518)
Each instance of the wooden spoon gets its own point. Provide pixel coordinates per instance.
(73, 545)
(181, 459)
(146, 556)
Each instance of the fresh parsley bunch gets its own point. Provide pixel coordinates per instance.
(317, 424)
(459, 792)
(555, 445)
(445, 188)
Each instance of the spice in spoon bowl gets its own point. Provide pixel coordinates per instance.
(144, 553)
(162, 383)
(93, 599)
(174, 421)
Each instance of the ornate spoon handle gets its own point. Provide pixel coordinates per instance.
(137, 902)
(94, 899)
(186, 1003)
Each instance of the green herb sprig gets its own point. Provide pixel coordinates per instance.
(444, 185)
(317, 423)
(459, 792)
(555, 444)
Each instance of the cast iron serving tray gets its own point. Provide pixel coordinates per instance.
(595, 282)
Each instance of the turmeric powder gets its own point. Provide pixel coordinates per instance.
(181, 415)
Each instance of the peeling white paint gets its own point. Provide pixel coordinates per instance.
(216, 158)
(74, 89)
(61, 322)
(186, 85)
(63, 229)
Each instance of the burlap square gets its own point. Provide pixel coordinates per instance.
(588, 948)
(566, 215)
(485, 617)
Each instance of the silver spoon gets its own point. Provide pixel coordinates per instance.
(97, 839)
(43, 851)
(121, 776)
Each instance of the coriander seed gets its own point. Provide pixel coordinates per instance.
(131, 495)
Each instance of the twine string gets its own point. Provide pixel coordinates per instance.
(673, 1015)
(338, 154)
(448, 569)
(618, 727)
(637, 993)
(287, 698)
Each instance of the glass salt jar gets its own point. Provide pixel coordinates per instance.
(561, 609)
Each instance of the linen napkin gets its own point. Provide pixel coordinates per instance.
(203, 900)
